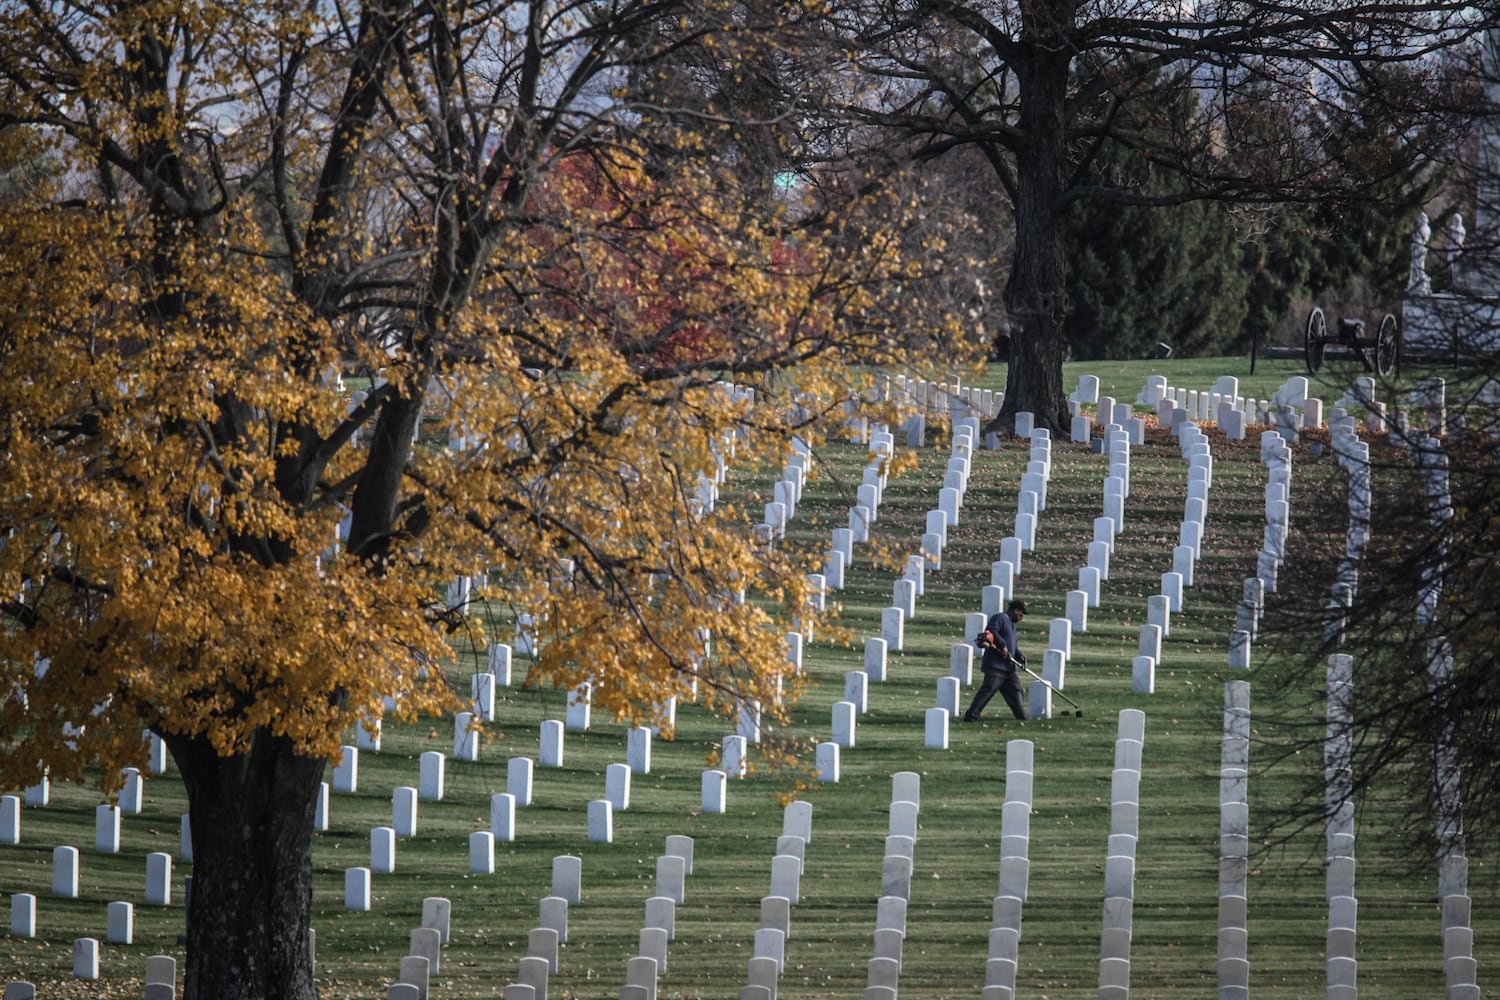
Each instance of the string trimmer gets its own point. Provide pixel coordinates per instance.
(1070, 701)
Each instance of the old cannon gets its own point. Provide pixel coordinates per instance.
(1380, 354)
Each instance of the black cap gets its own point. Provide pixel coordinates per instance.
(1017, 605)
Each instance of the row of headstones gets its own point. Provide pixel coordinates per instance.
(1342, 965)
(1119, 862)
(950, 398)
(521, 778)
(768, 959)
(787, 867)
(706, 497)
(1432, 461)
(1003, 956)
(1427, 448)
(1119, 867)
(423, 960)
(160, 979)
(1031, 501)
(865, 512)
(1169, 599)
(1459, 966)
(1234, 842)
(837, 558)
(786, 494)
(1353, 454)
(1276, 456)
(1248, 610)
(1196, 450)
(600, 819)
(884, 967)
(1121, 430)
(905, 591)
(644, 969)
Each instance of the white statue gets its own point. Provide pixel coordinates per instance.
(1456, 234)
(1419, 282)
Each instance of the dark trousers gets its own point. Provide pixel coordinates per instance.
(1008, 683)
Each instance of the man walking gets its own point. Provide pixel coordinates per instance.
(1000, 666)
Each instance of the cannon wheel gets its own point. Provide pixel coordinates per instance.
(1315, 340)
(1387, 347)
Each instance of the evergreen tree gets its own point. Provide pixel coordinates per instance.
(1148, 263)
(1140, 274)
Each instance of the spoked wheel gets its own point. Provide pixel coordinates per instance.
(1316, 340)
(1387, 347)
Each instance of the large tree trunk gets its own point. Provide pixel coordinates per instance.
(1036, 295)
(251, 901)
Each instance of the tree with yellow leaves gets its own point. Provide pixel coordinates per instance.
(300, 319)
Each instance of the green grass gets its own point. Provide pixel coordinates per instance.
(956, 855)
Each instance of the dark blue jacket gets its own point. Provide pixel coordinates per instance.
(1004, 631)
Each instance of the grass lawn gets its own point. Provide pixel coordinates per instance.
(1173, 950)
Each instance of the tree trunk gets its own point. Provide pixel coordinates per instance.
(251, 902)
(1036, 295)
